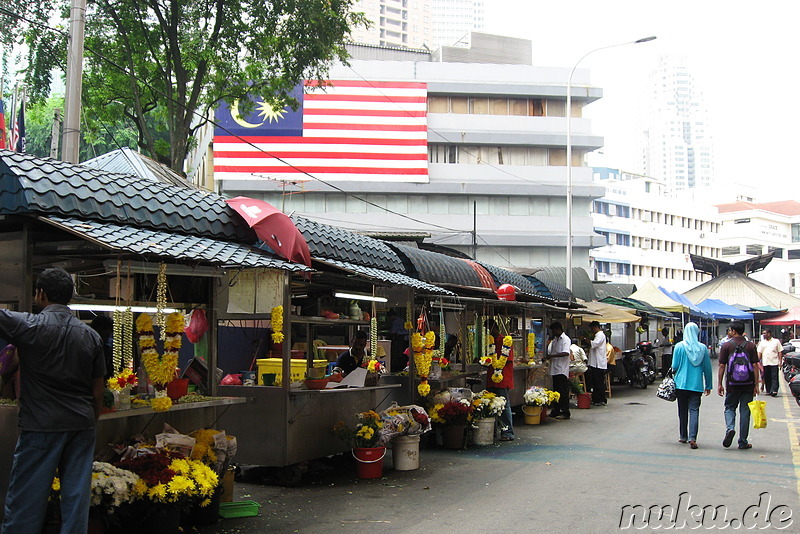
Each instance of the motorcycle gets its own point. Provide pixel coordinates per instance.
(791, 373)
(649, 356)
(636, 367)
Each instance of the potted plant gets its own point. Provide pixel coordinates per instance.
(487, 407)
(454, 415)
(536, 398)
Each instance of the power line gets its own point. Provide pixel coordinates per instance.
(206, 120)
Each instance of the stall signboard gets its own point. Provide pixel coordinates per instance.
(255, 291)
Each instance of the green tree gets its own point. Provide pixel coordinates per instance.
(165, 65)
(96, 138)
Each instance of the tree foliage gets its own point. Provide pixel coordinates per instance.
(166, 64)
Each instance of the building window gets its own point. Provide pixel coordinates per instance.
(624, 240)
(730, 251)
(793, 254)
(796, 233)
(755, 250)
(777, 252)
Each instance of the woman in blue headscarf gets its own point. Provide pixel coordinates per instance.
(692, 367)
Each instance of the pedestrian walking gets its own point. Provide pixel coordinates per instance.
(770, 355)
(61, 366)
(692, 367)
(738, 363)
(666, 350)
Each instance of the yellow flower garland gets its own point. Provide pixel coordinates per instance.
(277, 324)
(423, 356)
(498, 362)
(160, 368)
(531, 346)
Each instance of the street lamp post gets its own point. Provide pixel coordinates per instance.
(569, 149)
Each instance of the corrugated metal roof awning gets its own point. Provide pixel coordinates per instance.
(440, 269)
(385, 276)
(177, 246)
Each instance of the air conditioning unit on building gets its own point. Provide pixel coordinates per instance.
(702, 236)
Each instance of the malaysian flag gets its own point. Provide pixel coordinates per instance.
(354, 130)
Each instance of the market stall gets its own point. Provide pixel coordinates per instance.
(134, 248)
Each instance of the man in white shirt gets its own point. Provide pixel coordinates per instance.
(769, 353)
(558, 354)
(598, 364)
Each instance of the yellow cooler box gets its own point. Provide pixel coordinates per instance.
(275, 365)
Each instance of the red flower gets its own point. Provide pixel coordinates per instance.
(152, 468)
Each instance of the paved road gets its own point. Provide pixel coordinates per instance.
(571, 476)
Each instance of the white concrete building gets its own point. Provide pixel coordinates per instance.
(750, 229)
(650, 235)
(496, 172)
(419, 23)
(676, 138)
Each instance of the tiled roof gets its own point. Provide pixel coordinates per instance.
(182, 247)
(39, 186)
(127, 161)
(329, 242)
(438, 268)
(781, 207)
(527, 285)
(386, 276)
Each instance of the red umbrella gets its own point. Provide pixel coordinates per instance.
(274, 228)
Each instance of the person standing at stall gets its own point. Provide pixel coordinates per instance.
(558, 352)
(62, 367)
(666, 351)
(501, 388)
(351, 359)
(598, 364)
(692, 366)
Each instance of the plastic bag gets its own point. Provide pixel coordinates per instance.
(232, 380)
(198, 326)
(758, 413)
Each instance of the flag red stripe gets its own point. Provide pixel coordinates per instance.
(321, 155)
(366, 98)
(261, 139)
(318, 170)
(365, 112)
(359, 83)
(382, 127)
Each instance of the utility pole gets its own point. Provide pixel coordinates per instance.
(474, 229)
(55, 133)
(72, 99)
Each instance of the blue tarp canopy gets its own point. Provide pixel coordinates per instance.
(721, 310)
(677, 297)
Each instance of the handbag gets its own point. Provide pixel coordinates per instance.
(667, 389)
(758, 412)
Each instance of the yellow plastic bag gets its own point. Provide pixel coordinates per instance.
(758, 413)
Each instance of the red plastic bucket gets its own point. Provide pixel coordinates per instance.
(369, 461)
(177, 388)
(584, 400)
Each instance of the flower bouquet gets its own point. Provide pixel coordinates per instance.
(367, 432)
(452, 413)
(537, 396)
(404, 421)
(487, 405)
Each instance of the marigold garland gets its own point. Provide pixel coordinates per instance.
(160, 368)
(531, 346)
(498, 362)
(373, 346)
(423, 356)
(277, 324)
(116, 359)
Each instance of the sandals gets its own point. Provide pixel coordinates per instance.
(682, 441)
(746, 446)
(693, 444)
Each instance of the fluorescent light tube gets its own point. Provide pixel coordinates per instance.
(357, 296)
(111, 308)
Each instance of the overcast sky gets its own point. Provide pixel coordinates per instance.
(743, 56)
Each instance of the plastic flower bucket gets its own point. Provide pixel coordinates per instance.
(584, 400)
(177, 388)
(533, 414)
(405, 453)
(369, 461)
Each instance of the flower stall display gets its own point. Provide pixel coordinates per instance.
(121, 384)
(367, 441)
(160, 367)
(454, 415)
(277, 324)
(402, 426)
(487, 406)
(531, 346)
(422, 346)
(536, 398)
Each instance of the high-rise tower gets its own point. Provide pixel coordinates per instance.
(676, 145)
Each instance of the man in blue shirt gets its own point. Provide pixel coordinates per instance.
(61, 366)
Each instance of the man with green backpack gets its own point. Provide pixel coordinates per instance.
(738, 362)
